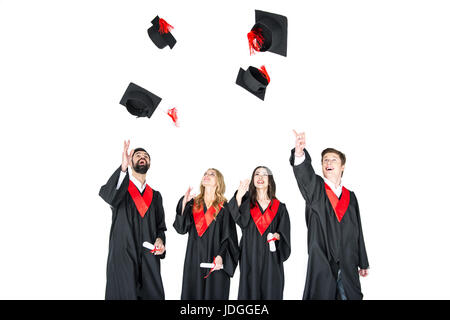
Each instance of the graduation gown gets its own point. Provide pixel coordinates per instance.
(332, 245)
(261, 271)
(132, 271)
(220, 238)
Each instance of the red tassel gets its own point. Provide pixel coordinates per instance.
(255, 40)
(164, 27)
(173, 114)
(264, 73)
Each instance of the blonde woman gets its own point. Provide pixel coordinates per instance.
(212, 239)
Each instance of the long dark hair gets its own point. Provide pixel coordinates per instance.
(270, 190)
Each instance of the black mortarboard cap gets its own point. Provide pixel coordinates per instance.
(273, 29)
(139, 102)
(161, 35)
(253, 80)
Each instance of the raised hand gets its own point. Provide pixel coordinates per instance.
(243, 188)
(126, 157)
(300, 143)
(187, 197)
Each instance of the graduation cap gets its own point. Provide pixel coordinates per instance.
(139, 102)
(160, 34)
(254, 80)
(269, 33)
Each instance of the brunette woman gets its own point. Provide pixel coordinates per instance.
(264, 221)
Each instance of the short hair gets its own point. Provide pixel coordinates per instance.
(141, 149)
(332, 150)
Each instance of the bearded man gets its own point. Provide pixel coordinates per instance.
(133, 272)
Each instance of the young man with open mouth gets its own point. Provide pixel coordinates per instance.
(336, 249)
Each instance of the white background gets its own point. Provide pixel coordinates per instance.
(370, 78)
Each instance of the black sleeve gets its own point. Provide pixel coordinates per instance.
(318, 249)
(363, 260)
(229, 247)
(183, 220)
(160, 219)
(310, 184)
(241, 215)
(284, 229)
(108, 191)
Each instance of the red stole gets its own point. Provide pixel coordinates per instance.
(203, 220)
(263, 221)
(142, 202)
(339, 205)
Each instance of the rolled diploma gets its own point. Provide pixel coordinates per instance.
(208, 265)
(148, 245)
(271, 243)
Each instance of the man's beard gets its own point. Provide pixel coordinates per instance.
(141, 168)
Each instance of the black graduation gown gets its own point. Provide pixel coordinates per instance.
(132, 271)
(332, 245)
(220, 238)
(261, 271)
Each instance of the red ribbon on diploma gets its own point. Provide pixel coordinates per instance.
(154, 250)
(210, 271)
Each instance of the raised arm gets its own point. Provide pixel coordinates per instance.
(309, 183)
(113, 193)
(187, 197)
(115, 189)
(239, 205)
(183, 218)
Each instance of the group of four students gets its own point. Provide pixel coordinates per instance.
(336, 249)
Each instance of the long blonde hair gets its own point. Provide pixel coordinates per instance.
(219, 197)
